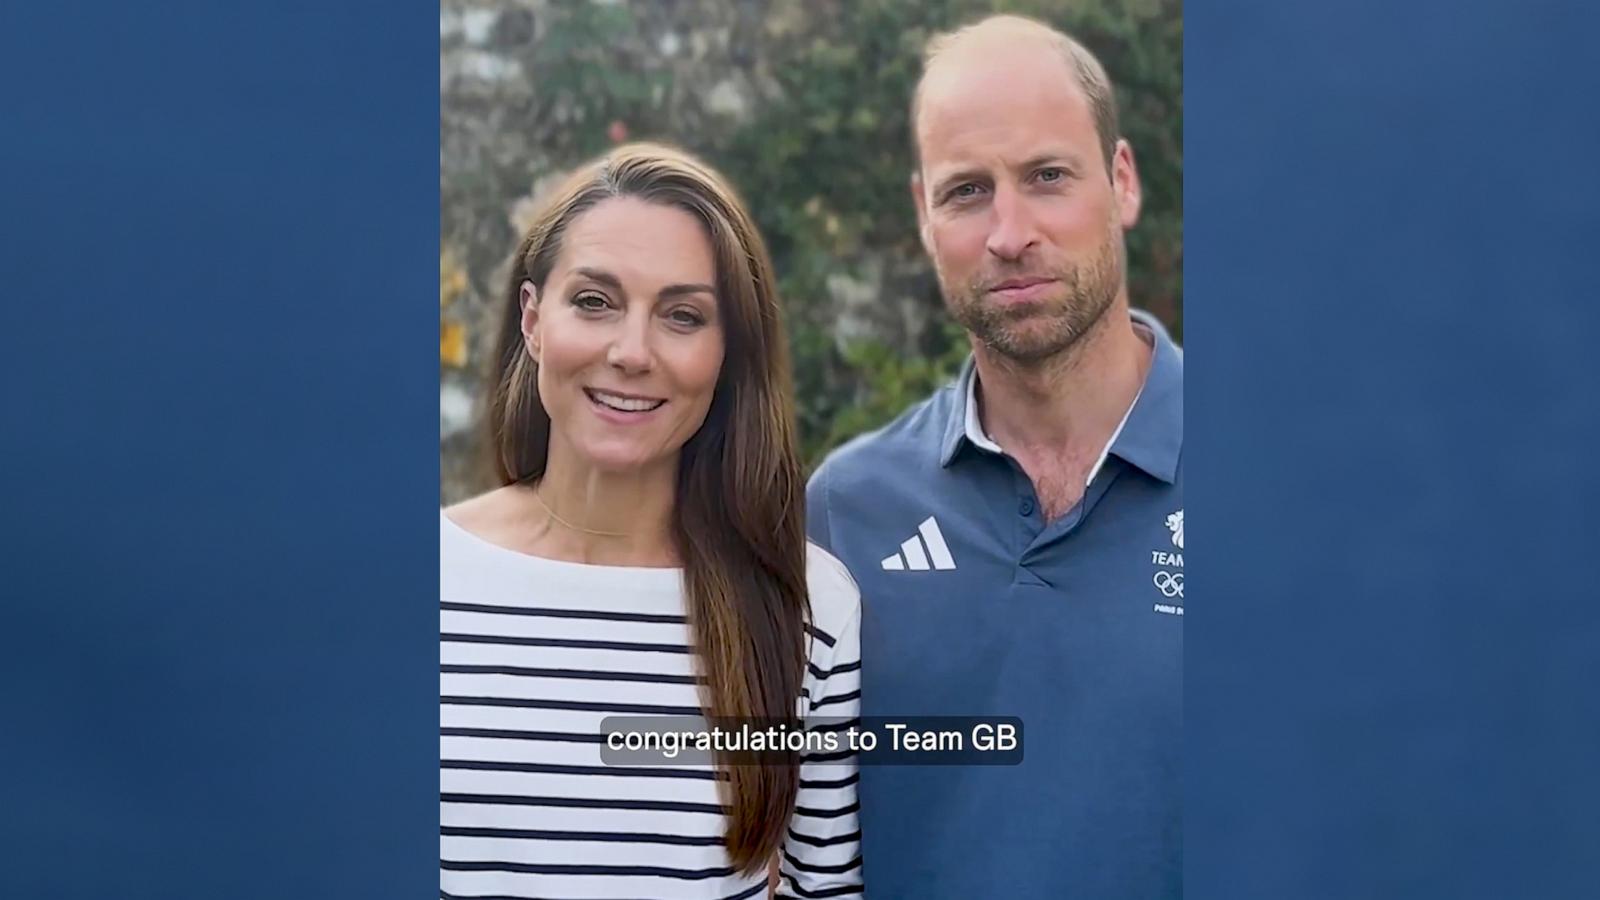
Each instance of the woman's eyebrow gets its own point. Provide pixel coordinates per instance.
(675, 290)
(601, 276)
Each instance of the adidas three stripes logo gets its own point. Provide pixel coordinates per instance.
(914, 555)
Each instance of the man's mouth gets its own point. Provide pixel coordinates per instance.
(1028, 288)
(632, 403)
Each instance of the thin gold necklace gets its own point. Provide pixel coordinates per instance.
(580, 528)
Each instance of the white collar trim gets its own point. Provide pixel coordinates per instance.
(976, 434)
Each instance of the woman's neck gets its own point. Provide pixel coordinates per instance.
(583, 514)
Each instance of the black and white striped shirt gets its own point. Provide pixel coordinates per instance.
(533, 654)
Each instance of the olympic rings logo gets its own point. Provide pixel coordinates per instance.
(1169, 584)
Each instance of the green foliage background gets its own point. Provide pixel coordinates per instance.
(824, 169)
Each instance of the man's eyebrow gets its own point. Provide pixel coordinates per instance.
(672, 290)
(944, 182)
(1059, 158)
(1063, 160)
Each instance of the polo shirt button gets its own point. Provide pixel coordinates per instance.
(1025, 507)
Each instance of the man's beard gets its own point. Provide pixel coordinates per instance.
(1030, 333)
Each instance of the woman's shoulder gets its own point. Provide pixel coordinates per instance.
(482, 512)
(491, 517)
(476, 529)
(835, 598)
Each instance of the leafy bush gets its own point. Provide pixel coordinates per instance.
(822, 159)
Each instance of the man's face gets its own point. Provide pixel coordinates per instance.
(1018, 212)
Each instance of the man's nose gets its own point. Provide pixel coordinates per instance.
(1014, 229)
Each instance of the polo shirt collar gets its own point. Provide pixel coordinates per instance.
(1151, 437)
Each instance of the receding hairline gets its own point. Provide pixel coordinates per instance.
(1087, 70)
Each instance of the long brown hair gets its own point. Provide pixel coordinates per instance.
(738, 518)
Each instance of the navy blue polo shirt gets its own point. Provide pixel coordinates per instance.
(974, 605)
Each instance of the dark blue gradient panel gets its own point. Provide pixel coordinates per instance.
(217, 633)
(1390, 279)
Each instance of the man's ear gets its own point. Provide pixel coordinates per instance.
(1125, 182)
(528, 299)
(919, 200)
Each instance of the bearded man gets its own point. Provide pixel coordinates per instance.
(1018, 536)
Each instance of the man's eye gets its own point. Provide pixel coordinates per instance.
(963, 192)
(1051, 176)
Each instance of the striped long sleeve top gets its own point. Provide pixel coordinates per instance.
(534, 654)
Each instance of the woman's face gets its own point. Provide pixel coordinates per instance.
(627, 335)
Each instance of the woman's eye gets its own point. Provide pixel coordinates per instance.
(590, 302)
(686, 317)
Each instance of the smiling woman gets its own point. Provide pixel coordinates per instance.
(646, 554)
(625, 329)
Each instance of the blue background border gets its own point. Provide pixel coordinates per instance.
(220, 476)
(1392, 639)
(220, 472)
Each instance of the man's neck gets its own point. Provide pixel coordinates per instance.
(1069, 406)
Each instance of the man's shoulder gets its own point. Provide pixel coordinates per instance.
(912, 440)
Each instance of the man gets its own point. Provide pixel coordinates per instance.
(1018, 537)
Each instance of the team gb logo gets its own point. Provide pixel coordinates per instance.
(1175, 523)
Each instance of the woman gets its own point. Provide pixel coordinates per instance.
(645, 556)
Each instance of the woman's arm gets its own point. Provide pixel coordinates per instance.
(822, 854)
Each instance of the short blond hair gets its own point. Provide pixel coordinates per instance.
(1091, 75)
